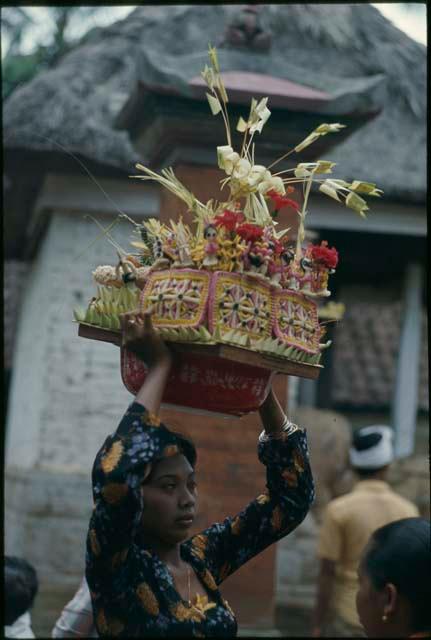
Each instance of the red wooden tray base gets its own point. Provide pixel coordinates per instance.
(219, 378)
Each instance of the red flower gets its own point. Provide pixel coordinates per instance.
(229, 219)
(249, 232)
(323, 255)
(281, 201)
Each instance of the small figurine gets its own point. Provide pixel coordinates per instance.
(183, 246)
(160, 261)
(249, 234)
(170, 247)
(211, 247)
(259, 256)
(295, 273)
(273, 256)
(319, 261)
(278, 268)
(305, 282)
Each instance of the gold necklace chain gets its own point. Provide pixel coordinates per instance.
(188, 582)
(201, 604)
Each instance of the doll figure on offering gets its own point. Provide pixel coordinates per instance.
(211, 246)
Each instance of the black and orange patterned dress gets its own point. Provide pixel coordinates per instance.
(132, 590)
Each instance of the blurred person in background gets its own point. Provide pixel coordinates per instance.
(20, 585)
(76, 619)
(348, 523)
(394, 595)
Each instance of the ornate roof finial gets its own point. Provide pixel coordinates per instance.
(246, 30)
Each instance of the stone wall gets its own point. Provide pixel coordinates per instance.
(65, 391)
(66, 395)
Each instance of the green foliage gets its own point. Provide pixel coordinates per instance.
(18, 67)
(17, 70)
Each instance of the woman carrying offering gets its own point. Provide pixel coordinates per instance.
(146, 576)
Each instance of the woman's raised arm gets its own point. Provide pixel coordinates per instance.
(280, 508)
(140, 337)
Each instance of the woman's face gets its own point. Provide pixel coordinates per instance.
(170, 500)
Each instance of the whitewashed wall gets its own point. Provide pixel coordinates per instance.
(66, 396)
(66, 391)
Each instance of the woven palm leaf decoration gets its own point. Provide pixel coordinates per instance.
(229, 275)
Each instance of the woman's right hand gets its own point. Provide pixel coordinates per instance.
(139, 336)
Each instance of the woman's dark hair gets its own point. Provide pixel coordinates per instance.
(186, 447)
(400, 553)
(21, 585)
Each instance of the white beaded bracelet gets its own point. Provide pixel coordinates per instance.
(287, 428)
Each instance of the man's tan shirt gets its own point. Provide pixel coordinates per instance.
(347, 526)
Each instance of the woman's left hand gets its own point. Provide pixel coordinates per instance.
(140, 337)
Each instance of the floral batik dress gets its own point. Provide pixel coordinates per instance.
(132, 590)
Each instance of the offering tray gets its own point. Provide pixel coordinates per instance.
(220, 378)
(236, 296)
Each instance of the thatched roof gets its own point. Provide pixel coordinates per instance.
(342, 50)
(366, 346)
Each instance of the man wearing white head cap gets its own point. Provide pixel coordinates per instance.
(348, 522)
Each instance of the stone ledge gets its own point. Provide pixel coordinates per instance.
(53, 493)
(252, 632)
